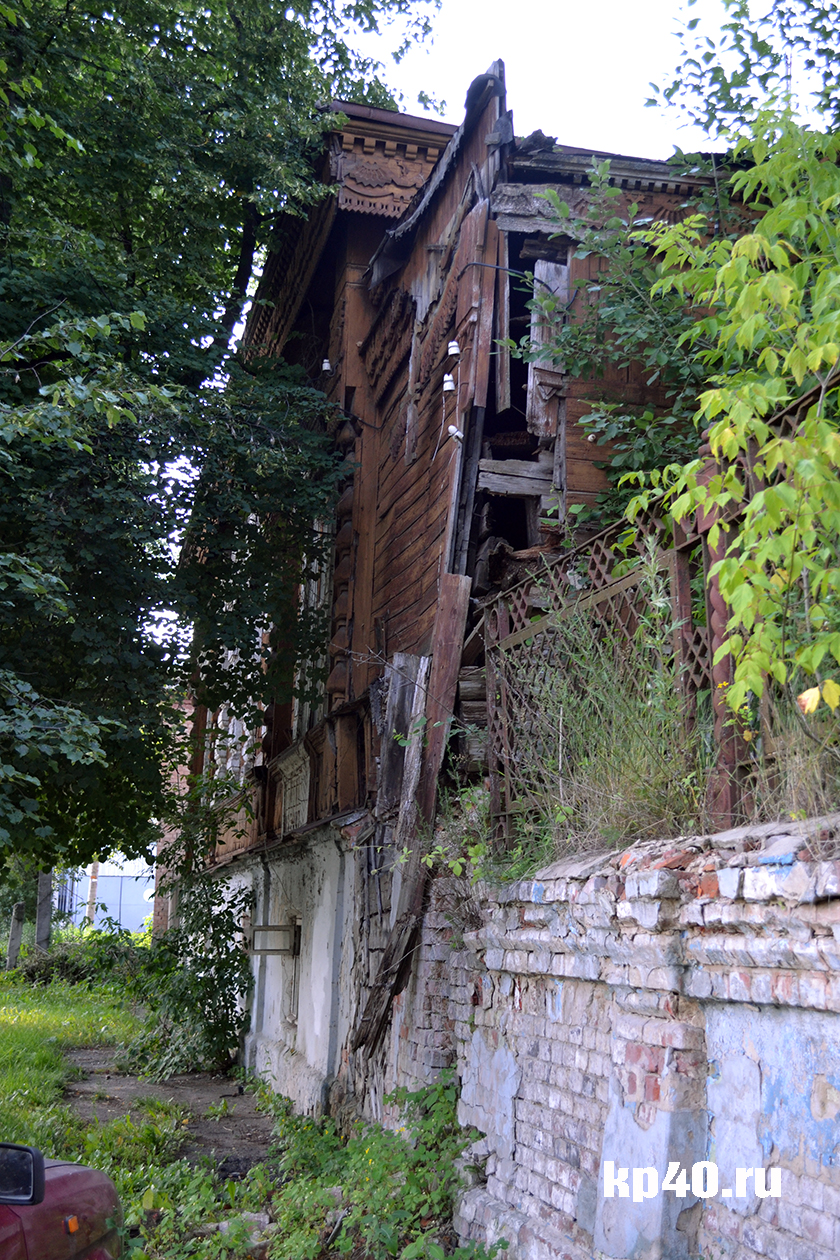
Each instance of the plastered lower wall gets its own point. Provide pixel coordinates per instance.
(674, 1003)
(300, 1005)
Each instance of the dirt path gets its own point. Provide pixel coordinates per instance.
(234, 1142)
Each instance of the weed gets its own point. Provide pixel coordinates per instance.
(193, 984)
(216, 1111)
(377, 1193)
(415, 731)
(607, 750)
(195, 980)
(795, 770)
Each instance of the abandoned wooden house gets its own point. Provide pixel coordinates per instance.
(397, 295)
(585, 1008)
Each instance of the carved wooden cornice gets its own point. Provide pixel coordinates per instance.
(379, 160)
(378, 174)
(285, 279)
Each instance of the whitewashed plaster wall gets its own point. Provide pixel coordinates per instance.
(677, 1002)
(300, 1007)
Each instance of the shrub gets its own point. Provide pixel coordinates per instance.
(194, 983)
(86, 955)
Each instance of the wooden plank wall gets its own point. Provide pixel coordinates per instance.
(410, 506)
(389, 353)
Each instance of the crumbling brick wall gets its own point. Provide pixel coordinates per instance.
(676, 1003)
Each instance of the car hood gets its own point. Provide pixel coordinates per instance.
(73, 1190)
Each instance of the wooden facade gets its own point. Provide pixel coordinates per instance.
(394, 295)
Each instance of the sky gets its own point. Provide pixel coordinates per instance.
(580, 72)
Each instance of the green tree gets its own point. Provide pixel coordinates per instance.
(150, 155)
(771, 298)
(771, 335)
(745, 296)
(729, 71)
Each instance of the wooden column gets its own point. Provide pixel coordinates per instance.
(723, 795)
(724, 789)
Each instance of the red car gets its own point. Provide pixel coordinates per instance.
(51, 1209)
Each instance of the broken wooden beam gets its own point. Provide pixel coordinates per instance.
(394, 967)
(516, 477)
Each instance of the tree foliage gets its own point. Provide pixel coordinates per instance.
(151, 153)
(771, 336)
(735, 310)
(194, 984)
(758, 55)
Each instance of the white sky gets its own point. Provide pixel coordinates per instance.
(578, 71)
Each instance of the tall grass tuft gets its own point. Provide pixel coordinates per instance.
(795, 768)
(608, 748)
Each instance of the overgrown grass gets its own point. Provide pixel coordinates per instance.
(607, 747)
(795, 768)
(36, 1026)
(79, 954)
(375, 1193)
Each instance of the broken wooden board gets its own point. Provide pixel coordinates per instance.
(546, 380)
(526, 208)
(415, 738)
(486, 316)
(515, 477)
(473, 645)
(440, 704)
(446, 661)
(401, 674)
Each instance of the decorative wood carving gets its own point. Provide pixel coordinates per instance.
(388, 343)
(378, 176)
(286, 277)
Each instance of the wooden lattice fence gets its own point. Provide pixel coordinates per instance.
(523, 625)
(526, 646)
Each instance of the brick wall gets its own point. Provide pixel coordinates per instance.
(677, 1002)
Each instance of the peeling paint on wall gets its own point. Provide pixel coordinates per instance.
(782, 1068)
